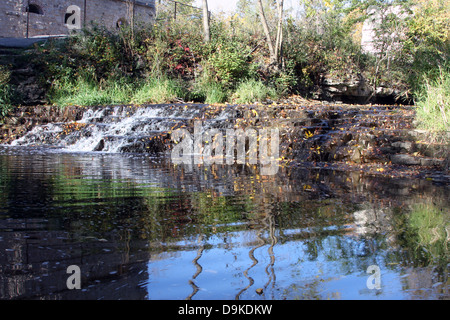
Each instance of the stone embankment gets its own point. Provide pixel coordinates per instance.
(22, 119)
(377, 139)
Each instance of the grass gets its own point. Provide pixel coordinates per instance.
(88, 92)
(250, 91)
(216, 94)
(5, 91)
(433, 104)
(209, 91)
(156, 90)
(85, 92)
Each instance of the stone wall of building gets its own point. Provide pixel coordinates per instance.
(369, 41)
(58, 17)
(12, 17)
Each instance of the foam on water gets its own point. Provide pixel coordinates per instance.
(115, 128)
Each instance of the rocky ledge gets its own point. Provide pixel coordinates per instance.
(377, 139)
(356, 88)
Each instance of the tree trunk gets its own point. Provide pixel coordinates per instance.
(206, 31)
(273, 57)
(279, 40)
(275, 49)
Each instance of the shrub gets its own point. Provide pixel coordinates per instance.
(229, 61)
(428, 44)
(99, 49)
(320, 44)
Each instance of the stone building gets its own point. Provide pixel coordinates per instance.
(370, 43)
(35, 18)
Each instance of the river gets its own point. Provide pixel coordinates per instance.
(140, 227)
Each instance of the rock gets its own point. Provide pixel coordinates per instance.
(405, 145)
(353, 87)
(356, 88)
(356, 156)
(100, 146)
(430, 162)
(405, 159)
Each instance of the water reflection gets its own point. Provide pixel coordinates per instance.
(198, 266)
(142, 228)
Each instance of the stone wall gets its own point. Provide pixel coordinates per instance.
(53, 17)
(369, 41)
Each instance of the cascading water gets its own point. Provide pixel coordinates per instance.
(122, 128)
(307, 134)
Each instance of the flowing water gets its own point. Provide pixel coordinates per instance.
(140, 227)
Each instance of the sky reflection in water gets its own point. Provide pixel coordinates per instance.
(142, 228)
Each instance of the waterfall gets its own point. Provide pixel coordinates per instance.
(126, 128)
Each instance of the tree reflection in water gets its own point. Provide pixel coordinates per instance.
(197, 266)
(141, 228)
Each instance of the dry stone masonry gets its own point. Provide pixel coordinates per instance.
(36, 18)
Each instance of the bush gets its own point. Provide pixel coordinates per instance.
(428, 44)
(230, 62)
(101, 50)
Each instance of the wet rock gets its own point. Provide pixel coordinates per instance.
(100, 146)
(313, 133)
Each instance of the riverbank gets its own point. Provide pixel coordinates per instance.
(371, 139)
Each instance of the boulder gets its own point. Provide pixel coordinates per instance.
(355, 88)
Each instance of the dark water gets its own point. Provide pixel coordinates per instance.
(142, 228)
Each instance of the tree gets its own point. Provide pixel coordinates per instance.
(274, 48)
(279, 39)
(206, 30)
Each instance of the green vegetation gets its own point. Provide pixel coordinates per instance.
(5, 91)
(427, 233)
(253, 91)
(88, 92)
(434, 103)
(158, 91)
(170, 60)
